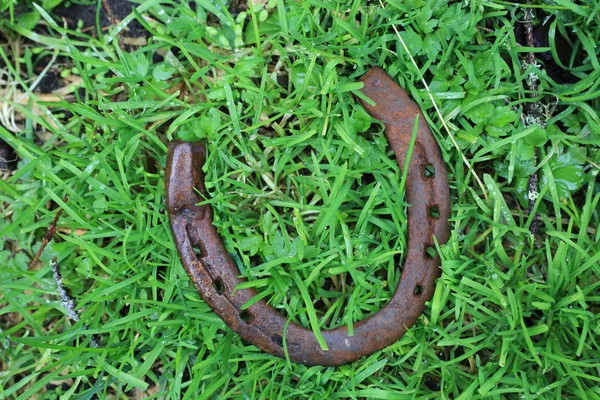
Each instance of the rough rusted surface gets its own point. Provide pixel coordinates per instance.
(215, 274)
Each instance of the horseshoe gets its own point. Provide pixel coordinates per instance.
(215, 275)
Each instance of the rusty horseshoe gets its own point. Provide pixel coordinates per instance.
(215, 275)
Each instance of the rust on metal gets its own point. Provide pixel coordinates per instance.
(215, 275)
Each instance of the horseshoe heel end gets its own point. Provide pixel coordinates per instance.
(183, 175)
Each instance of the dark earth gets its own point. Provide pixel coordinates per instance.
(110, 11)
(8, 157)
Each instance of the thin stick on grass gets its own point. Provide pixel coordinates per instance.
(48, 236)
(66, 300)
(532, 185)
(111, 16)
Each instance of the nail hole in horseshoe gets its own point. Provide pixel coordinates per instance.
(433, 212)
(219, 285)
(196, 242)
(278, 340)
(427, 171)
(430, 252)
(246, 317)
(418, 290)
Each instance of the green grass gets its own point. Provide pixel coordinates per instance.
(306, 193)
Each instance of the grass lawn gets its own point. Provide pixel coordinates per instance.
(304, 188)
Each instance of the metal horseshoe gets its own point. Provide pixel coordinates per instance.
(215, 275)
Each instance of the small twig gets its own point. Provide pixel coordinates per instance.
(65, 297)
(111, 17)
(66, 300)
(532, 110)
(48, 236)
(437, 109)
(530, 43)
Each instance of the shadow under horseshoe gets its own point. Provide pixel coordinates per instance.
(215, 275)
